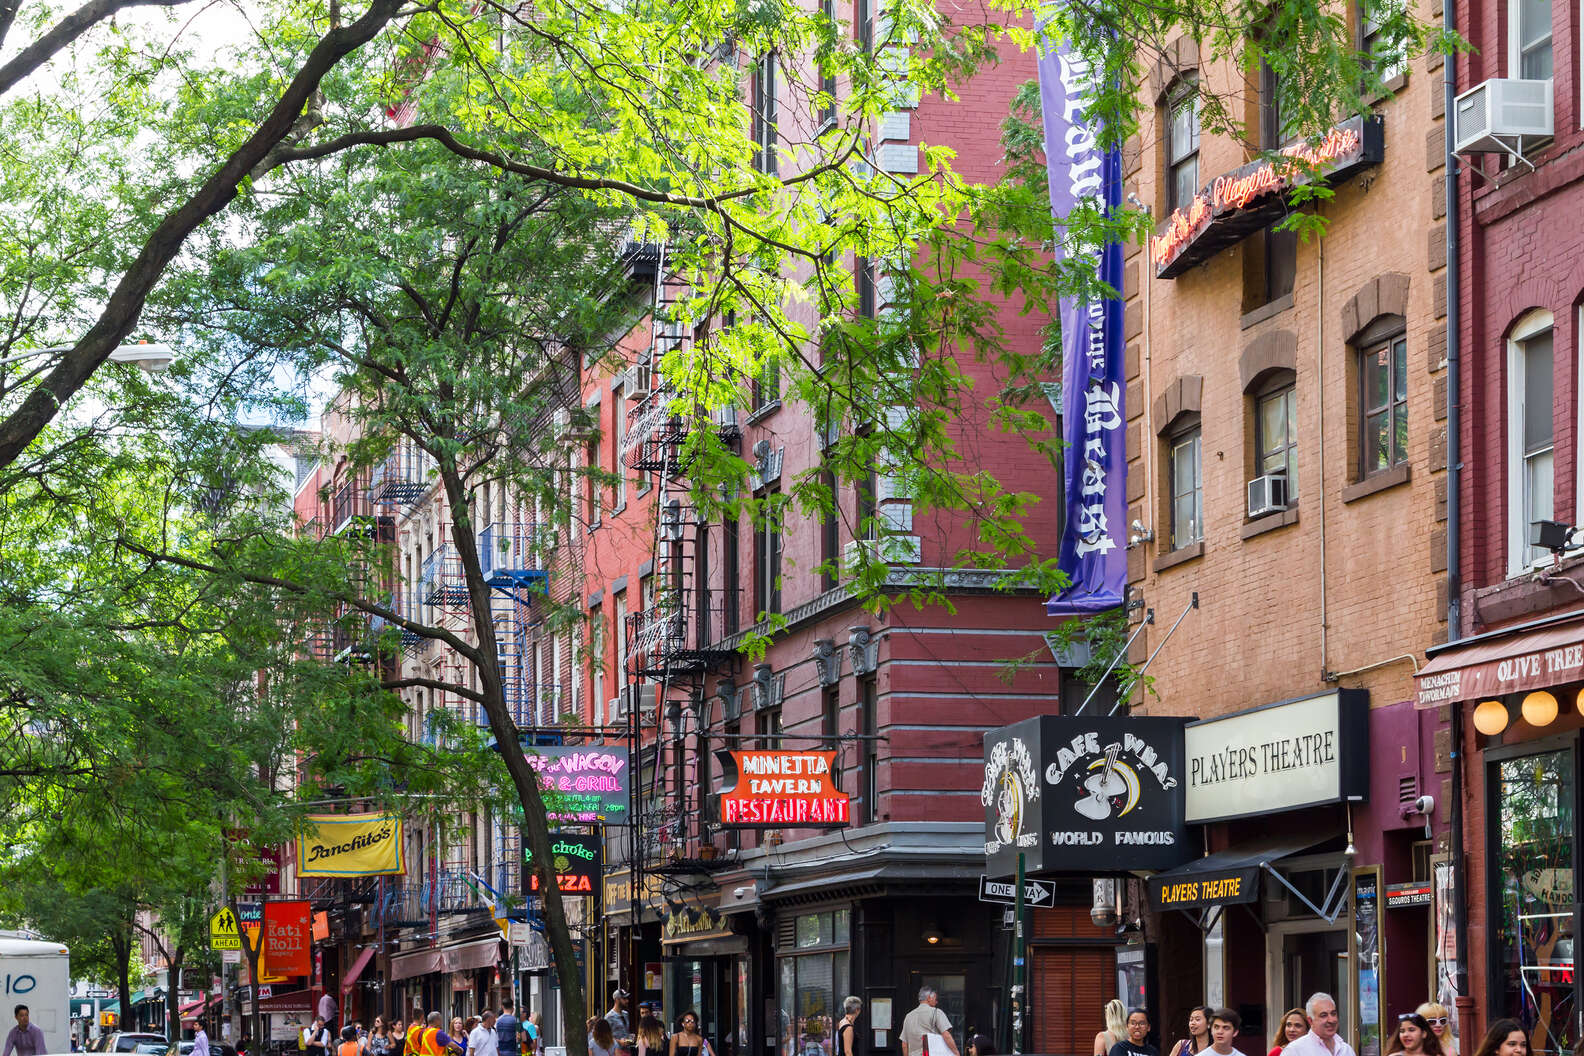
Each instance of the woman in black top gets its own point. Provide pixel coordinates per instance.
(687, 1041)
(847, 1029)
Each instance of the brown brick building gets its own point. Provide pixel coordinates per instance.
(1287, 463)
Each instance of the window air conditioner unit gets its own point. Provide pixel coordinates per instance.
(1267, 494)
(641, 697)
(616, 708)
(1496, 117)
(635, 382)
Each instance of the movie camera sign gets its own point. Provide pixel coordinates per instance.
(1086, 796)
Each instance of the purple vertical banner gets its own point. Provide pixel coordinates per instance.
(1093, 550)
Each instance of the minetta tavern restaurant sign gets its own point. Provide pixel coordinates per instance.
(1085, 795)
(775, 789)
(1284, 756)
(1236, 204)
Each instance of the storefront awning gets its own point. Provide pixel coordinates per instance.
(1504, 662)
(1232, 877)
(411, 965)
(468, 956)
(349, 980)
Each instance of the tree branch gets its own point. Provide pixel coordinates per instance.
(61, 34)
(126, 302)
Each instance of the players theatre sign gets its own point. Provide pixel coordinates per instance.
(1236, 204)
(1086, 796)
(776, 790)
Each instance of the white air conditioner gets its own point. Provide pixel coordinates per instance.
(1498, 116)
(640, 696)
(616, 707)
(635, 382)
(1267, 494)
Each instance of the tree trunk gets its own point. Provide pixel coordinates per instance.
(173, 995)
(526, 781)
(121, 943)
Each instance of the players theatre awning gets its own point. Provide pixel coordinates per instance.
(1206, 886)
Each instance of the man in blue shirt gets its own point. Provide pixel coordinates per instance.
(508, 1030)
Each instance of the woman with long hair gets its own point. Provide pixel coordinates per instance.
(601, 1039)
(651, 1037)
(1505, 1037)
(687, 1041)
(1294, 1025)
(1115, 1027)
(1435, 1014)
(1198, 1038)
(1413, 1037)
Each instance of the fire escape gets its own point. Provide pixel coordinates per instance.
(675, 639)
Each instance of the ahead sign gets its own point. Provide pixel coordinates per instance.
(1037, 894)
(223, 931)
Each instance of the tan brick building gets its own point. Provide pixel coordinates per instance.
(1287, 456)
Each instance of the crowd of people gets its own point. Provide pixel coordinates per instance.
(1308, 1031)
(490, 1034)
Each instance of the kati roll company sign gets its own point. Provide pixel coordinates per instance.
(288, 938)
(775, 789)
(351, 845)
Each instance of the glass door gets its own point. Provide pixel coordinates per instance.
(1532, 867)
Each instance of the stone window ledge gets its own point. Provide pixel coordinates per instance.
(1376, 482)
(1270, 522)
(1181, 555)
(1267, 311)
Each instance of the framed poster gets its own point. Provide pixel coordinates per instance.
(1366, 955)
(1443, 935)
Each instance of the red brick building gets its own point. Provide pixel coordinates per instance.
(1511, 685)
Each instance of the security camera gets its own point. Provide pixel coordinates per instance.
(1424, 805)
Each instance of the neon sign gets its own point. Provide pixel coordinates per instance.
(781, 789)
(1240, 202)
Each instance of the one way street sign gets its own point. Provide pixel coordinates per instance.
(1037, 894)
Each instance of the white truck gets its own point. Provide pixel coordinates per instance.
(37, 974)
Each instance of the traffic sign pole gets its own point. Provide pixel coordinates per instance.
(1019, 947)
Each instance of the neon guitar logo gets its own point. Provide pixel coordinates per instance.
(1108, 784)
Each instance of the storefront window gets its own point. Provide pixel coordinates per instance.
(1535, 863)
(814, 979)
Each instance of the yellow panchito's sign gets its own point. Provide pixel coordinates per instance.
(351, 845)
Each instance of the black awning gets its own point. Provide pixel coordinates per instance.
(1229, 877)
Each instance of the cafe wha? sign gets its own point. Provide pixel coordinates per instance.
(1085, 795)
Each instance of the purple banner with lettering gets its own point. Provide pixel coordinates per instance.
(1093, 550)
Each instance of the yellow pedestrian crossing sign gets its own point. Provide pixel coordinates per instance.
(223, 931)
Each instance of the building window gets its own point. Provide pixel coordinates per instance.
(705, 634)
(619, 427)
(1187, 488)
(591, 487)
(1182, 144)
(1529, 39)
(1276, 433)
(869, 749)
(813, 980)
(1383, 404)
(826, 69)
(864, 287)
(767, 556)
(1532, 862)
(830, 534)
(1531, 434)
(597, 665)
(764, 114)
(1388, 60)
(830, 714)
(863, 24)
(768, 727)
(731, 573)
(767, 385)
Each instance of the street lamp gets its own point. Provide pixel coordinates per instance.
(152, 356)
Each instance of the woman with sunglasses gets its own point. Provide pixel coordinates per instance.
(1413, 1037)
(687, 1041)
(1435, 1014)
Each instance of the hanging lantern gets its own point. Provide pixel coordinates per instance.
(1540, 708)
(1490, 717)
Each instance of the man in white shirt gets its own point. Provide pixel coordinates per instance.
(482, 1040)
(926, 1019)
(1322, 1038)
